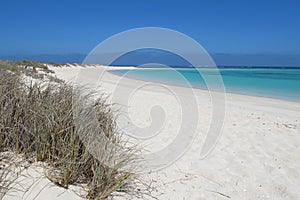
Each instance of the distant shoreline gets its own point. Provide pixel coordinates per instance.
(219, 67)
(261, 82)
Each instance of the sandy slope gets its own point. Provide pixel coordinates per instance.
(27, 180)
(257, 155)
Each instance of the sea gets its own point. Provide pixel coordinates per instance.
(272, 82)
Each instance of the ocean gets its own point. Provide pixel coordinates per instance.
(279, 83)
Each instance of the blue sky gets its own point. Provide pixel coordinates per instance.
(233, 32)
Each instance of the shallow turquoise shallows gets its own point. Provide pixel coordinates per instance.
(266, 82)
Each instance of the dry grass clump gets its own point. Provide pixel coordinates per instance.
(38, 120)
(34, 69)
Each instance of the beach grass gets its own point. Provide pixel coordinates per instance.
(37, 121)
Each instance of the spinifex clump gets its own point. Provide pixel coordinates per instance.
(37, 120)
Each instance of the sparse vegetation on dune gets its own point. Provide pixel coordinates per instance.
(29, 68)
(37, 120)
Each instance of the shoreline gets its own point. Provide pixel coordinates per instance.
(235, 93)
(293, 106)
(284, 97)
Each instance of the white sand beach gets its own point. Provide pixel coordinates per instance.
(257, 155)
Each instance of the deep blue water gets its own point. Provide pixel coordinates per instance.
(267, 82)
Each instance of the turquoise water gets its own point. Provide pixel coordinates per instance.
(267, 82)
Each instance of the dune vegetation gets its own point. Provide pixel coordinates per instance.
(37, 121)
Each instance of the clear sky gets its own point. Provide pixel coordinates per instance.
(243, 31)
